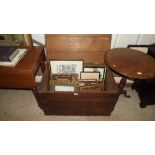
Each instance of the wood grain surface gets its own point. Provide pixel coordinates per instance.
(131, 63)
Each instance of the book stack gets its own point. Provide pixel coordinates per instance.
(10, 56)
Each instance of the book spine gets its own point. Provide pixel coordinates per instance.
(17, 58)
(4, 58)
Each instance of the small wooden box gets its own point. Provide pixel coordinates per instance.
(91, 49)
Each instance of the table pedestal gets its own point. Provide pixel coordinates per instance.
(121, 87)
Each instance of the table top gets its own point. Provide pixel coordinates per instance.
(131, 63)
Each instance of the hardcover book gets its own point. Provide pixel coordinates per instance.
(7, 53)
(16, 59)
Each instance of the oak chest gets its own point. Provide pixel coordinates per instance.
(91, 49)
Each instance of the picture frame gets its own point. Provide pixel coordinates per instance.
(61, 88)
(63, 85)
(142, 48)
(101, 70)
(92, 87)
(88, 76)
(66, 67)
(63, 77)
(16, 40)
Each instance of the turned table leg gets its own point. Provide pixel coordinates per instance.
(121, 87)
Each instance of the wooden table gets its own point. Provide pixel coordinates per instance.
(130, 63)
(22, 76)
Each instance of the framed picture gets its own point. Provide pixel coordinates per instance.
(142, 48)
(92, 87)
(101, 70)
(64, 84)
(16, 40)
(58, 88)
(94, 76)
(66, 67)
(65, 77)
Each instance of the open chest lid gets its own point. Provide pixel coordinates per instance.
(87, 47)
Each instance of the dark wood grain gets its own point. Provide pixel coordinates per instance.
(109, 82)
(81, 104)
(131, 63)
(91, 49)
(22, 75)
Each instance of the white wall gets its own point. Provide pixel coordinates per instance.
(39, 37)
(146, 39)
(123, 40)
(118, 40)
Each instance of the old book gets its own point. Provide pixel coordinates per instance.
(16, 59)
(7, 53)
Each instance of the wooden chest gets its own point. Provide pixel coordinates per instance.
(91, 49)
